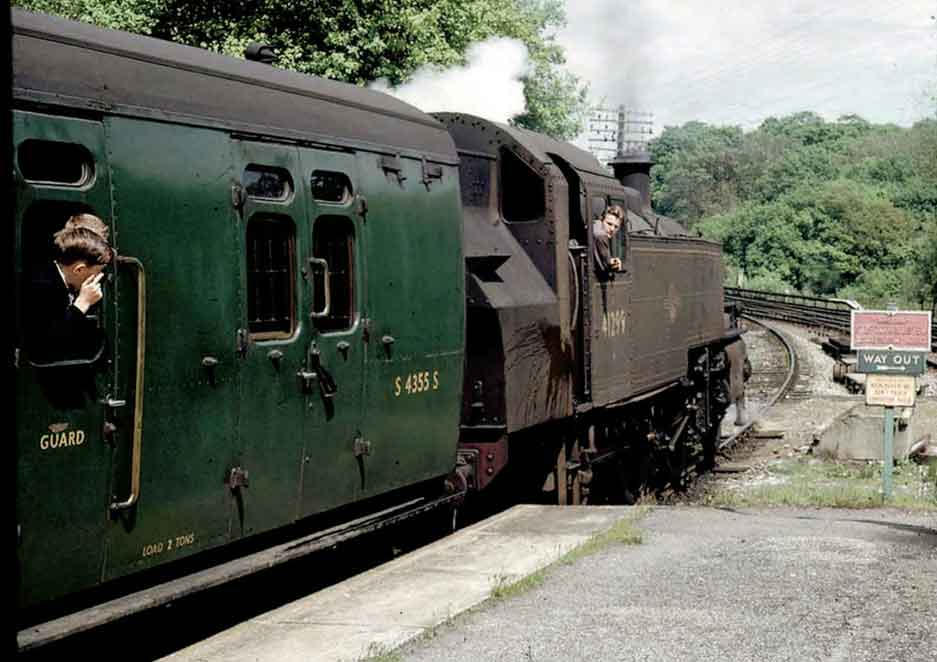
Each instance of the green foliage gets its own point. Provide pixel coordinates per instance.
(130, 15)
(842, 208)
(556, 103)
(925, 266)
(360, 41)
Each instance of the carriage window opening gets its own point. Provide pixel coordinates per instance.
(522, 191)
(40, 222)
(270, 257)
(267, 182)
(334, 241)
(330, 186)
(48, 162)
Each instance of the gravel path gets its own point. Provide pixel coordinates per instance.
(709, 584)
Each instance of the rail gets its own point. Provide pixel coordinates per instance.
(792, 371)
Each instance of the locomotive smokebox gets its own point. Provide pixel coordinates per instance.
(633, 170)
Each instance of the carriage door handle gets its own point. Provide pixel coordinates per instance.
(326, 288)
(137, 452)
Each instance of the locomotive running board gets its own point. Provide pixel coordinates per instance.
(40, 634)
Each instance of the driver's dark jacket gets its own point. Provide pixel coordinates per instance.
(601, 251)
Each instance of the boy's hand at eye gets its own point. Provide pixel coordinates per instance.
(90, 293)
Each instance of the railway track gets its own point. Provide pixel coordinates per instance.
(814, 312)
(772, 379)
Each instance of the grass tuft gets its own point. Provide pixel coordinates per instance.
(623, 532)
(831, 484)
(380, 653)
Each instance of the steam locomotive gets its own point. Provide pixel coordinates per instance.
(327, 304)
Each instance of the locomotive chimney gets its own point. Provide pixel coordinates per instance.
(633, 169)
(258, 52)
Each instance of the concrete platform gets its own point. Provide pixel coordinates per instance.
(398, 601)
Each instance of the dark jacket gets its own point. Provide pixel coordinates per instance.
(55, 330)
(601, 251)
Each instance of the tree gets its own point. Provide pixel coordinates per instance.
(130, 15)
(360, 41)
(925, 267)
(696, 171)
(803, 204)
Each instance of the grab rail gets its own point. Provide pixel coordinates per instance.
(138, 387)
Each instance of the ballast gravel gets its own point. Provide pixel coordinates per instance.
(723, 585)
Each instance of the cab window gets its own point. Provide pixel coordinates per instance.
(522, 191)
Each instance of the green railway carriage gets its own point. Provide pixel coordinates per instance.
(284, 322)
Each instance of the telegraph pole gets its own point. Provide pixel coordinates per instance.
(619, 130)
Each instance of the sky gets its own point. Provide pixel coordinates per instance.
(736, 62)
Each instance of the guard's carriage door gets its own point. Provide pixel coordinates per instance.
(65, 408)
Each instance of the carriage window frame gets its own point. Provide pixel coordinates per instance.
(338, 178)
(342, 282)
(262, 281)
(73, 154)
(282, 175)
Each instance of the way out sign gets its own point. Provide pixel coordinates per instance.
(891, 362)
(907, 330)
(890, 345)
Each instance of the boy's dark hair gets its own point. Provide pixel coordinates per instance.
(81, 244)
(89, 222)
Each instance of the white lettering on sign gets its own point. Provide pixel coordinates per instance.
(892, 360)
(890, 390)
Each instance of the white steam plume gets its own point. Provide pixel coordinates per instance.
(489, 85)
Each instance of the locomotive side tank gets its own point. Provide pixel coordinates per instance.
(670, 298)
(284, 320)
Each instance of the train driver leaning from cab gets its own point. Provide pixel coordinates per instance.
(62, 292)
(603, 231)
